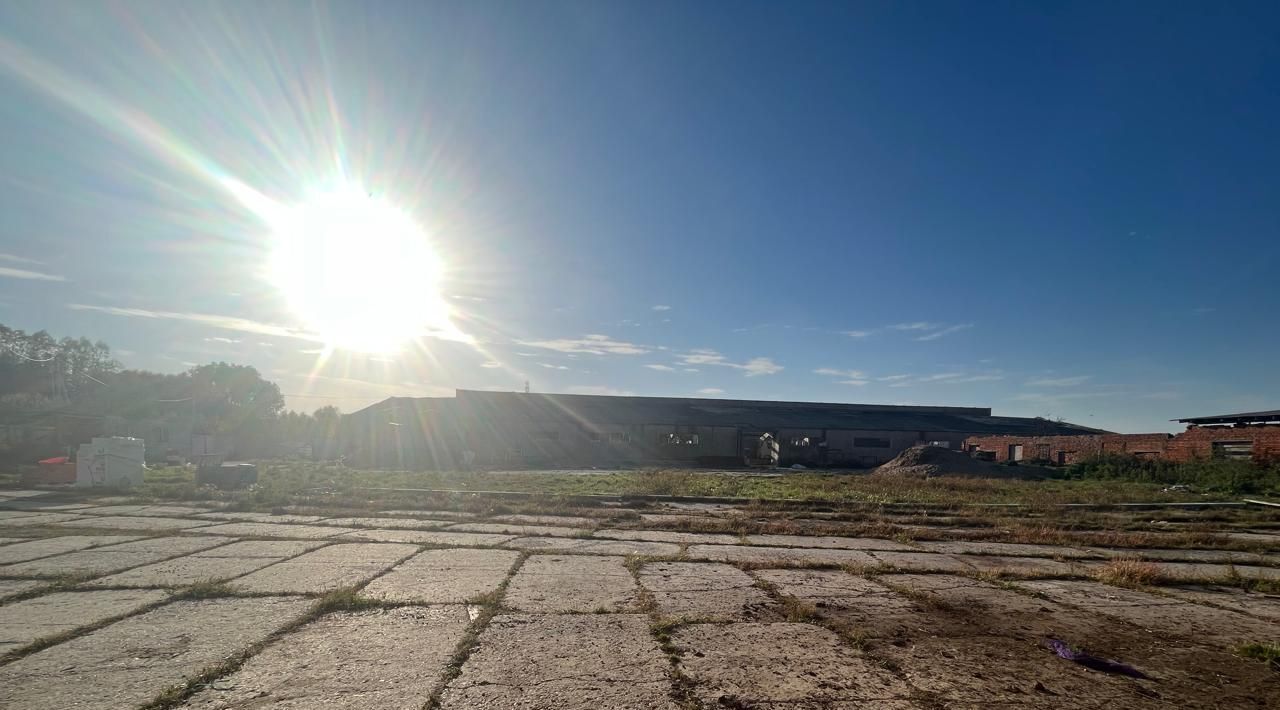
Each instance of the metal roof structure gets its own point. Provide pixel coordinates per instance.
(1242, 418)
(592, 411)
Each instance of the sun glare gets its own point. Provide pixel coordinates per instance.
(360, 273)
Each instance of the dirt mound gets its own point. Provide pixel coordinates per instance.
(925, 461)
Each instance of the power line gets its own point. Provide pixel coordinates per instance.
(326, 396)
(52, 355)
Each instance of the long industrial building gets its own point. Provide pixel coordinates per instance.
(507, 429)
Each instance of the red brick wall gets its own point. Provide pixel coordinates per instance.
(1069, 449)
(1197, 442)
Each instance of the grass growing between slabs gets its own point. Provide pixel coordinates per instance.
(1265, 652)
(280, 482)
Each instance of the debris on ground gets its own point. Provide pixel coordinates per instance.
(1063, 650)
(924, 461)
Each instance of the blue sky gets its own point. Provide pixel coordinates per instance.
(1065, 209)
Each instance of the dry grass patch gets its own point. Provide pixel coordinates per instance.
(798, 611)
(205, 590)
(1268, 653)
(1129, 573)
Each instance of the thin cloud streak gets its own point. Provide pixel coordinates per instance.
(754, 367)
(855, 378)
(945, 332)
(600, 390)
(24, 274)
(1060, 381)
(242, 325)
(918, 325)
(592, 344)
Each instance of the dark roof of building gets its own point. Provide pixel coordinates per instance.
(598, 411)
(1242, 418)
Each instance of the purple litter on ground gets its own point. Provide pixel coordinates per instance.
(1092, 662)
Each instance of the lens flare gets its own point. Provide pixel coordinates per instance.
(359, 272)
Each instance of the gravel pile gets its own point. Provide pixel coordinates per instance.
(925, 461)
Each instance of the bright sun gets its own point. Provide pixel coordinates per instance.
(359, 272)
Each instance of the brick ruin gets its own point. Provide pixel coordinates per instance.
(1257, 442)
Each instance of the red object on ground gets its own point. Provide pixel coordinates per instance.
(55, 459)
(49, 473)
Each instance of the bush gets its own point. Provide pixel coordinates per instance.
(1219, 475)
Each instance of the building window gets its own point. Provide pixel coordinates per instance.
(871, 443)
(619, 437)
(1242, 449)
(595, 436)
(681, 440)
(800, 442)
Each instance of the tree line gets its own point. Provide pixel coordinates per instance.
(53, 392)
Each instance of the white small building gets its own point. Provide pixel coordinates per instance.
(110, 461)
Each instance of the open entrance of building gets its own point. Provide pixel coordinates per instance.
(760, 448)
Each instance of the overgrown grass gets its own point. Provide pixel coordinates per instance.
(1212, 475)
(282, 483)
(205, 590)
(490, 605)
(1129, 573)
(1265, 652)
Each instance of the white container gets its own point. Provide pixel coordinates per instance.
(110, 461)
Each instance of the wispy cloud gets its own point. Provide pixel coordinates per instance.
(19, 259)
(490, 364)
(601, 390)
(661, 368)
(592, 344)
(9, 273)
(857, 378)
(941, 378)
(661, 308)
(856, 333)
(930, 330)
(978, 378)
(759, 366)
(703, 357)
(1059, 381)
(243, 325)
(710, 391)
(1062, 396)
(549, 366)
(918, 325)
(220, 339)
(945, 331)
(754, 367)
